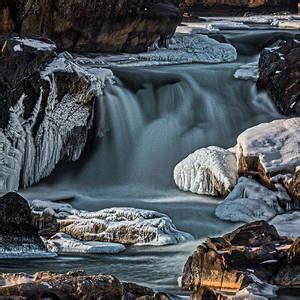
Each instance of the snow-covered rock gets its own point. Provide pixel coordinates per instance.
(64, 243)
(270, 148)
(287, 224)
(208, 171)
(120, 225)
(247, 72)
(250, 201)
(123, 225)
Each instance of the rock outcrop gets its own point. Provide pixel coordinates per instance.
(72, 285)
(46, 107)
(18, 236)
(252, 253)
(208, 171)
(279, 75)
(107, 26)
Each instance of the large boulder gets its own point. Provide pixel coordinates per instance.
(279, 75)
(18, 236)
(252, 253)
(107, 26)
(207, 171)
(46, 106)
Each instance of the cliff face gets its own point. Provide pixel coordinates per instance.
(82, 25)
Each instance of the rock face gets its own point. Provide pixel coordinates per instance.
(208, 171)
(72, 285)
(253, 252)
(18, 236)
(107, 26)
(46, 105)
(279, 75)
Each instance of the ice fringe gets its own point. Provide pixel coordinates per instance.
(250, 201)
(208, 171)
(26, 158)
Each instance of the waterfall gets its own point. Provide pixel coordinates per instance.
(157, 116)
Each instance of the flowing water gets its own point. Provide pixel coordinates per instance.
(155, 116)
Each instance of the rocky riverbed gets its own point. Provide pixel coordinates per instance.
(109, 100)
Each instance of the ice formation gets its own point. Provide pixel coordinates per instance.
(276, 144)
(64, 243)
(26, 157)
(124, 225)
(247, 72)
(250, 201)
(191, 48)
(287, 224)
(208, 171)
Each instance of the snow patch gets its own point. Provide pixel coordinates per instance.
(37, 44)
(208, 171)
(250, 201)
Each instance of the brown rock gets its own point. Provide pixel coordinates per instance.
(226, 263)
(73, 285)
(106, 26)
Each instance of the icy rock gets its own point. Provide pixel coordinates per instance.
(270, 148)
(250, 201)
(123, 225)
(40, 129)
(247, 72)
(64, 243)
(191, 48)
(287, 224)
(209, 171)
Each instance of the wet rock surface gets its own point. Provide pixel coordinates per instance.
(279, 75)
(252, 253)
(108, 26)
(18, 235)
(72, 285)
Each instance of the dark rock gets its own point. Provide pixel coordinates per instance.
(46, 223)
(73, 285)
(228, 263)
(17, 232)
(279, 75)
(106, 26)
